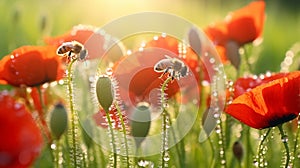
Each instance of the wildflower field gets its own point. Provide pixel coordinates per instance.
(134, 83)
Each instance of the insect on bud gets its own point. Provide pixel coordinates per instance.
(105, 92)
(58, 120)
(238, 150)
(140, 122)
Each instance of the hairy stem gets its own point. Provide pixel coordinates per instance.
(165, 119)
(286, 146)
(296, 142)
(113, 145)
(124, 134)
(261, 148)
(74, 120)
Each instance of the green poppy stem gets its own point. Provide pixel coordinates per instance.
(165, 118)
(74, 152)
(124, 134)
(296, 142)
(284, 139)
(260, 155)
(112, 139)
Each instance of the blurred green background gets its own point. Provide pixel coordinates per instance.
(26, 22)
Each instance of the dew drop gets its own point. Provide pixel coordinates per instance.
(166, 157)
(155, 38)
(12, 57)
(218, 130)
(195, 101)
(212, 60)
(61, 82)
(205, 83)
(17, 106)
(268, 74)
(261, 76)
(141, 49)
(255, 163)
(284, 139)
(53, 146)
(109, 71)
(128, 52)
(166, 105)
(206, 54)
(216, 115)
(164, 35)
(290, 53)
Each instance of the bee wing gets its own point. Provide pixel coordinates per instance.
(168, 57)
(83, 54)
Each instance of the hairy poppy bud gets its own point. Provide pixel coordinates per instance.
(105, 93)
(140, 123)
(238, 150)
(58, 120)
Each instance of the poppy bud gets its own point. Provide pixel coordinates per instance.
(105, 92)
(58, 120)
(195, 40)
(140, 123)
(87, 133)
(238, 150)
(232, 52)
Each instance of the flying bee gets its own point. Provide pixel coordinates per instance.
(175, 67)
(72, 50)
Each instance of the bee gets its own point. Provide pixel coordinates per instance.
(175, 67)
(72, 50)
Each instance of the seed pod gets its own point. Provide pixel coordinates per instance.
(195, 40)
(58, 120)
(238, 150)
(140, 123)
(87, 133)
(105, 92)
(232, 52)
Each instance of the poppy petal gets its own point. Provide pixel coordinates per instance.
(269, 104)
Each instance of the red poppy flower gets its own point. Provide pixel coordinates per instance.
(241, 26)
(31, 66)
(136, 76)
(245, 84)
(93, 39)
(21, 139)
(269, 104)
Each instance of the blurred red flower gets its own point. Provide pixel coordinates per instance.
(100, 118)
(269, 104)
(241, 26)
(78, 33)
(31, 66)
(136, 76)
(94, 40)
(21, 139)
